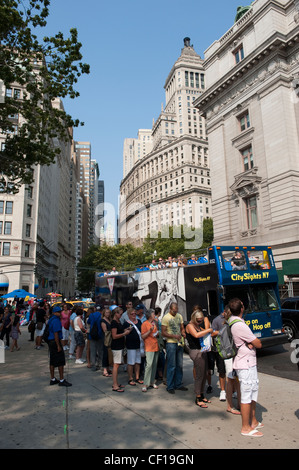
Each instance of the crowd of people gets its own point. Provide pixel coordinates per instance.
(150, 347)
(170, 262)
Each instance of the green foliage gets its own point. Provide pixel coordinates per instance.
(43, 70)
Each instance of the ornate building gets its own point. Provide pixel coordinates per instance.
(252, 113)
(170, 185)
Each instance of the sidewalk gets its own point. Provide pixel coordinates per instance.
(89, 415)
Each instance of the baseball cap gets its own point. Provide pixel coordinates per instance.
(140, 307)
(56, 309)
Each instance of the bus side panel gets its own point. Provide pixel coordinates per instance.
(201, 289)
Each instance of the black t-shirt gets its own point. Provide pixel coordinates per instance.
(117, 344)
(40, 315)
(132, 339)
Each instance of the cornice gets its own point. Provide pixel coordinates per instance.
(277, 42)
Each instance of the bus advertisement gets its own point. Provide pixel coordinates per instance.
(248, 273)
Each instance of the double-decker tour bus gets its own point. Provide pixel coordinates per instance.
(248, 273)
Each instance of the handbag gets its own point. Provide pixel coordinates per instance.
(108, 339)
(206, 343)
(31, 326)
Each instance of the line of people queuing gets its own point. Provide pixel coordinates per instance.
(154, 350)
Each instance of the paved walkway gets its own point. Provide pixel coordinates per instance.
(89, 415)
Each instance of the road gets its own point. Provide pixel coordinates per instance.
(277, 361)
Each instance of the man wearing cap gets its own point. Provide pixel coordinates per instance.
(140, 312)
(57, 357)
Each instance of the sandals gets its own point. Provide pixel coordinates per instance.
(107, 375)
(234, 411)
(205, 400)
(139, 381)
(131, 382)
(199, 402)
(120, 390)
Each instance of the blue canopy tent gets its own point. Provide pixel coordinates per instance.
(20, 293)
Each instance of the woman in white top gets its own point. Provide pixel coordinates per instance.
(79, 336)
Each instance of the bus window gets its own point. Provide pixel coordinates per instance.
(240, 292)
(234, 260)
(258, 259)
(264, 298)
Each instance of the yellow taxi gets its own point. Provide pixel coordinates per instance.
(75, 303)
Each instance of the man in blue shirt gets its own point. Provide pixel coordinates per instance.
(96, 340)
(57, 358)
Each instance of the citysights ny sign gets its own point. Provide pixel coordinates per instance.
(136, 216)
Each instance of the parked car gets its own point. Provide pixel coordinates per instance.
(290, 316)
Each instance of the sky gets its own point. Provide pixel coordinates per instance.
(131, 47)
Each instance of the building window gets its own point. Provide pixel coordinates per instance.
(8, 207)
(244, 121)
(251, 212)
(239, 54)
(28, 230)
(247, 158)
(27, 251)
(7, 228)
(29, 210)
(186, 79)
(6, 249)
(1, 207)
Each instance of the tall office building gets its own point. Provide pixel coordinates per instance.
(100, 212)
(36, 233)
(251, 106)
(135, 149)
(87, 197)
(170, 185)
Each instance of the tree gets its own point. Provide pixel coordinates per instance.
(43, 70)
(176, 241)
(101, 258)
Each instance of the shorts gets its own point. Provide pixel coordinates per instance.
(249, 384)
(229, 368)
(133, 356)
(214, 357)
(57, 359)
(79, 338)
(118, 356)
(40, 332)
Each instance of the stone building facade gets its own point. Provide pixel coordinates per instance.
(170, 185)
(251, 108)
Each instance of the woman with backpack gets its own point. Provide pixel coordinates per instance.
(195, 330)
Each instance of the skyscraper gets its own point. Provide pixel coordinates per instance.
(170, 185)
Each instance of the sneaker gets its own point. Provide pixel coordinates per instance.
(209, 389)
(54, 381)
(171, 391)
(79, 361)
(71, 356)
(64, 383)
(184, 389)
(222, 395)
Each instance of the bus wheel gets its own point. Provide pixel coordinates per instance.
(289, 331)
